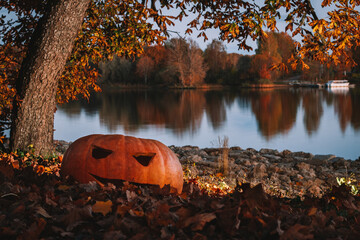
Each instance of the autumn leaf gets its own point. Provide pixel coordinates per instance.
(103, 207)
(299, 232)
(34, 231)
(312, 211)
(198, 221)
(63, 187)
(75, 216)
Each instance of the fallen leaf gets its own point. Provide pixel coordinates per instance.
(312, 211)
(75, 216)
(63, 187)
(34, 231)
(299, 232)
(122, 210)
(102, 207)
(131, 195)
(198, 221)
(90, 187)
(6, 170)
(41, 211)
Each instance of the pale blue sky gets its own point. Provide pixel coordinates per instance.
(232, 47)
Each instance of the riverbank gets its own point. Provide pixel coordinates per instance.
(36, 204)
(283, 174)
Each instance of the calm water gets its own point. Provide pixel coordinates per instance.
(319, 121)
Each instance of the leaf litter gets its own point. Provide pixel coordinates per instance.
(34, 206)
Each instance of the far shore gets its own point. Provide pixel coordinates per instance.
(200, 87)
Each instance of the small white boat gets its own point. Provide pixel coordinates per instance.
(337, 83)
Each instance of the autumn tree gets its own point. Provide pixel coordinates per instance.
(144, 67)
(118, 70)
(215, 59)
(243, 67)
(261, 65)
(185, 57)
(61, 42)
(267, 55)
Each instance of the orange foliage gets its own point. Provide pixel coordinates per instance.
(123, 28)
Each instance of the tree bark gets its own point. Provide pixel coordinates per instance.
(50, 46)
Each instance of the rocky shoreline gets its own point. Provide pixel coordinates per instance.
(284, 174)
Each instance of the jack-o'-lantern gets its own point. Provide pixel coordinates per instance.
(118, 157)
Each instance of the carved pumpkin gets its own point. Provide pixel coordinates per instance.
(118, 157)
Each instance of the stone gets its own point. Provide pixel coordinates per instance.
(190, 148)
(236, 148)
(302, 155)
(196, 159)
(236, 153)
(259, 171)
(251, 150)
(268, 151)
(338, 162)
(285, 152)
(323, 157)
(303, 166)
(272, 157)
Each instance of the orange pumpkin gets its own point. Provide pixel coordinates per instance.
(118, 157)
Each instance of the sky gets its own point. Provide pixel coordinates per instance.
(232, 47)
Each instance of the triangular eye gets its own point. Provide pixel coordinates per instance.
(144, 158)
(99, 152)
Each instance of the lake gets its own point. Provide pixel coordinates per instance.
(319, 121)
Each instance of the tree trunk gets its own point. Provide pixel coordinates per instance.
(50, 46)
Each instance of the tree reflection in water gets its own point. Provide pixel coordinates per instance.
(182, 111)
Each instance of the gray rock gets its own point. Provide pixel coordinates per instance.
(272, 157)
(259, 171)
(190, 148)
(202, 153)
(251, 150)
(196, 158)
(285, 152)
(323, 157)
(338, 162)
(302, 155)
(273, 169)
(300, 159)
(268, 151)
(310, 174)
(236, 153)
(303, 166)
(285, 179)
(242, 161)
(235, 148)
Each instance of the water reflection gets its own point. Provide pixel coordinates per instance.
(200, 114)
(182, 111)
(275, 111)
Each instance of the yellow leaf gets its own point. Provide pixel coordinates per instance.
(312, 211)
(102, 207)
(63, 187)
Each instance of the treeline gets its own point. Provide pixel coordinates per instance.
(182, 63)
